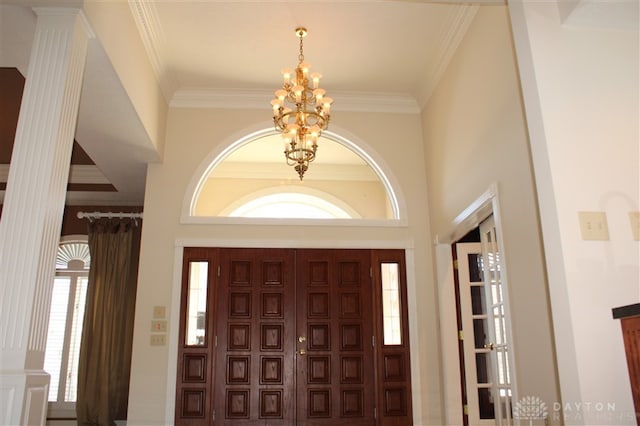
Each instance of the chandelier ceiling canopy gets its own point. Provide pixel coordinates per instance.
(301, 111)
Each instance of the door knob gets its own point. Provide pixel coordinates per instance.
(302, 339)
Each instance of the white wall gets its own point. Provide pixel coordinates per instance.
(580, 85)
(475, 137)
(192, 134)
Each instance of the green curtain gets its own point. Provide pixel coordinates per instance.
(107, 333)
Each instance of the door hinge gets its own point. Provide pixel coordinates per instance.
(373, 341)
(215, 340)
(375, 413)
(455, 264)
(465, 409)
(460, 335)
(219, 268)
(370, 271)
(213, 415)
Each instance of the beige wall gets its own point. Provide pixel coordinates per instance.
(475, 136)
(192, 134)
(580, 84)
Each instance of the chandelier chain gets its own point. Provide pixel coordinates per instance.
(301, 54)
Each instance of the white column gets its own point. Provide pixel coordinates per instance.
(33, 208)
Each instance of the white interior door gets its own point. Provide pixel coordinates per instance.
(479, 380)
(497, 317)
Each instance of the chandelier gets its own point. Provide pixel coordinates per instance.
(301, 112)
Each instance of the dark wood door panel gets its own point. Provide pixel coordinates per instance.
(335, 375)
(290, 341)
(254, 332)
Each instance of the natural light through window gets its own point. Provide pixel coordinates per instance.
(65, 321)
(290, 205)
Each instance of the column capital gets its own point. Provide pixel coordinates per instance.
(70, 12)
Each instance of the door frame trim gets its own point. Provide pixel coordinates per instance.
(487, 204)
(174, 310)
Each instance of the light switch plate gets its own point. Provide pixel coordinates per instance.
(158, 340)
(159, 325)
(634, 218)
(593, 226)
(159, 312)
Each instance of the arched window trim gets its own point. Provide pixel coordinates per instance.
(242, 138)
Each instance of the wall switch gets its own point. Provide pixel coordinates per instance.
(634, 218)
(159, 326)
(593, 226)
(158, 339)
(159, 312)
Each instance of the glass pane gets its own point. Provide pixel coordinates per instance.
(475, 267)
(477, 300)
(55, 336)
(479, 332)
(485, 402)
(482, 367)
(197, 303)
(391, 304)
(75, 339)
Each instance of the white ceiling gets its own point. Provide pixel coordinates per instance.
(374, 55)
(360, 47)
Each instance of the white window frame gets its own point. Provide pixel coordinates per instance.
(61, 409)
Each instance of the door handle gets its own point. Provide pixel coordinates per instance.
(302, 339)
(302, 352)
(488, 346)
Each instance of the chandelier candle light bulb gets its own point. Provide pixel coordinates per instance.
(309, 112)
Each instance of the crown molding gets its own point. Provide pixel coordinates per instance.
(145, 16)
(259, 99)
(454, 29)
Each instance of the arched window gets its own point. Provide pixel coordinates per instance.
(290, 205)
(231, 183)
(65, 322)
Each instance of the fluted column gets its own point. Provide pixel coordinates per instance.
(33, 208)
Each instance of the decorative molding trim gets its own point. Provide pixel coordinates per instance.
(146, 19)
(78, 174)
(407, 244)
(259, 99)
(87, 174)
(454, 30)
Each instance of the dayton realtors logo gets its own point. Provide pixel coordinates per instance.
(530, 408)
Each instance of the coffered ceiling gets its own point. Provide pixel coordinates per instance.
(374, 56)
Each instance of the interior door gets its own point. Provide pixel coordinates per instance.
(334, 355)
(478, 376)
(497, 315)
(484, 318)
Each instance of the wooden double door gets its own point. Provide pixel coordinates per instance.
(289, 337)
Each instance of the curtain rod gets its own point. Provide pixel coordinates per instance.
(98, 215)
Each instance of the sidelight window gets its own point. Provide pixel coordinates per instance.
(391, 304)
(197, 303)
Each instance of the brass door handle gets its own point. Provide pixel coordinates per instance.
(302, 339)
(488, 346)
(302, 352)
